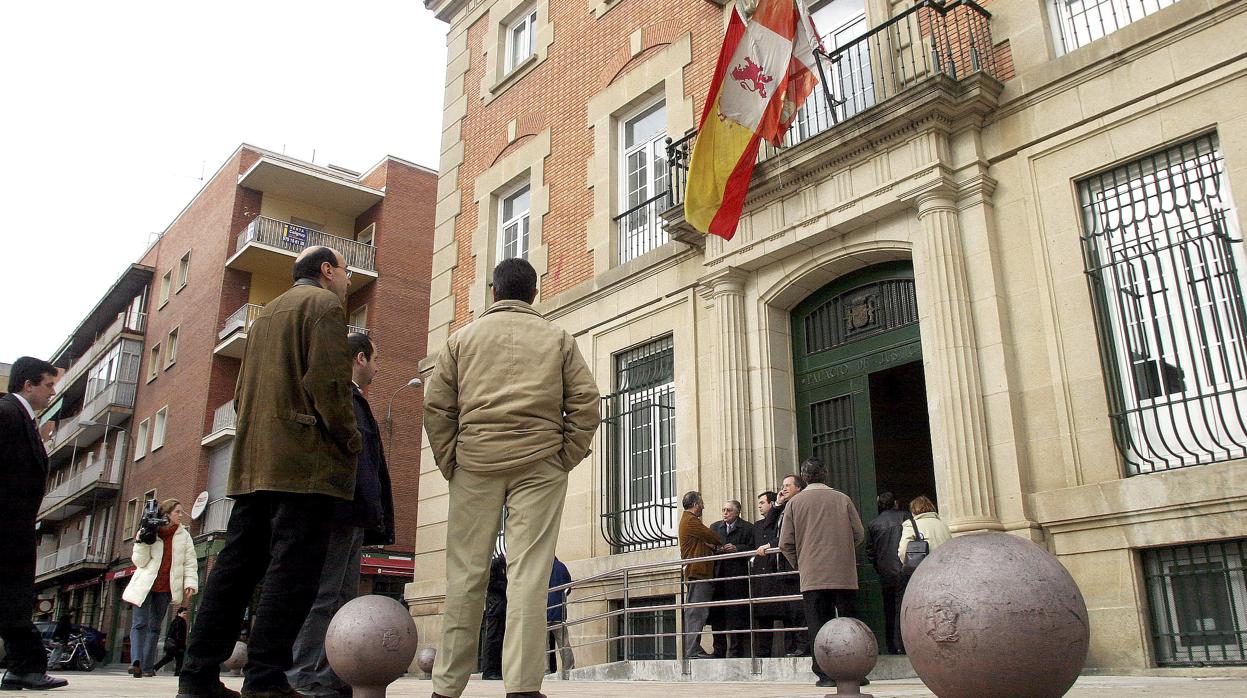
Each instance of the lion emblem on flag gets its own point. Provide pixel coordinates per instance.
(751, 77)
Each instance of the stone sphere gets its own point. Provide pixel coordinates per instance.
(238, 658)
(371, 641)
(846, 649)
(424, 660)
(991, 615)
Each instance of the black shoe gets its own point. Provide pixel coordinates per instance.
(825, 683)
(527, 694)
(278, 692)
(135, 670)
(701, 655)
(30, 682)
(217, 690)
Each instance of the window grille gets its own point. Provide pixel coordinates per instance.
(1079, 22)
(641, 634)
(1198, 601)
(1163, 254)
(863, 312)
(638, 433)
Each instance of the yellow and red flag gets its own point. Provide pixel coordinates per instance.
(765, 72)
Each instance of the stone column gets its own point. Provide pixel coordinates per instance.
(950, 357)
(726, 289)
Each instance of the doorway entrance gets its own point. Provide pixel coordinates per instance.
(861, 398)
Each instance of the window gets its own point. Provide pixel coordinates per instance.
(521, 39)
(184, 269)
(171, 347)
(639, 507)
(366, 235)
(358, 320)
(1164, 256)
(513, 224)
(153, 362)
(653, 632)
(644, 180)
(1079, 22)
(1198, 602)
(166, 282)
(140, 444)
(132, 517)
(158, 427)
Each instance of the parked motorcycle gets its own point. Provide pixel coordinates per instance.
(71, 654)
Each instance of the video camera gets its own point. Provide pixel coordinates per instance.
(151, 521)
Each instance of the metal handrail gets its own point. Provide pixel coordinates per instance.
(240, 320)
(641, 229)
(625, 592)
(283, 235)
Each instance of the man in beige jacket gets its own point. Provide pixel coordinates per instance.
(819, 536)
(510, 409)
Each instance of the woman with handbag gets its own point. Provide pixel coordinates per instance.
(175, 643)
(166, 570)
(921, 534)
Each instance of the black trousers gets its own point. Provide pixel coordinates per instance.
(175, 657)
(821, 605)
(278, 539)
(495, 625)
(24, 646)
(892, 617)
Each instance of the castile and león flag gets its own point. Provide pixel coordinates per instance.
(765, 72)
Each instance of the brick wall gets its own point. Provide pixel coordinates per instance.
(586, 56)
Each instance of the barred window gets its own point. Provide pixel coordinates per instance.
(644, 634)
(1198, 601)
(1079, 22)
(1164, 256)
(638, 431)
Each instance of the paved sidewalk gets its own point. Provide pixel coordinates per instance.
(110, 682)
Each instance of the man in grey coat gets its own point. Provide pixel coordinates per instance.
(509, 409)
(819, 536)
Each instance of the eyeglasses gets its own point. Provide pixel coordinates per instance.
(348, 271)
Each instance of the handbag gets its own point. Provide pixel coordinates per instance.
(915, 550)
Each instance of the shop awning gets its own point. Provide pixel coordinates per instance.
(386, 566)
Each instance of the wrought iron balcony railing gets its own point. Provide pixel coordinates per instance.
(952, 39)
(641, 229)
(240, 320)
(288, 236)
(82, 551)
(89, 477)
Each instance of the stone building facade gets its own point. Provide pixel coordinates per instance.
(998, 263)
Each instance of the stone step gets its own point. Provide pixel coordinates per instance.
(776, 670)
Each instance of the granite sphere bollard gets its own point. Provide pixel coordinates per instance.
(991, 615)
(424, 660)
(370, 643)
(237, 659)
(846, 650)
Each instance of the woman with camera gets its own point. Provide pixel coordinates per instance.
(166, 570)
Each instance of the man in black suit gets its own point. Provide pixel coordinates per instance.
(23, 476)
(737, 533)
(883, 538)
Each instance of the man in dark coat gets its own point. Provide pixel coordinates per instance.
(23, 477)
(367, 520)
(738, 533)
(883, 537)
(294, 457)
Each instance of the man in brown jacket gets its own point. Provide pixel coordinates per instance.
(510, 409)
(697, 540)
(819, 536)
(294, 456)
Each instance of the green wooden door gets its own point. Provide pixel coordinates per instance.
(859, 324)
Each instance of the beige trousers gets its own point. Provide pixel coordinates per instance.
(534, 496)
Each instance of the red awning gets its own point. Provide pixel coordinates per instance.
(117, 574)
(82, 585)
(390, 567)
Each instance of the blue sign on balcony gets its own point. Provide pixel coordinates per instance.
(295, 236)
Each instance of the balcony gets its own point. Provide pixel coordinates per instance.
(935, 57)
(216, 517)
(127, 323)
(80, 492)
(109, 407)
(233, 335)
(80, 555)
(223, 421)
(269, 246)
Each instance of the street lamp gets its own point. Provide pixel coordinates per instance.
(389, 410)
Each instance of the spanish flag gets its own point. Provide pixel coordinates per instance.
(765, 71)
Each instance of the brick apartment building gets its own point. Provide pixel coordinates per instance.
(999, 265)
(145, 410)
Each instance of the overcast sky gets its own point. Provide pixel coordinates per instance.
(113, 111)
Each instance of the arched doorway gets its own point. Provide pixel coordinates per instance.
(861, 398)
